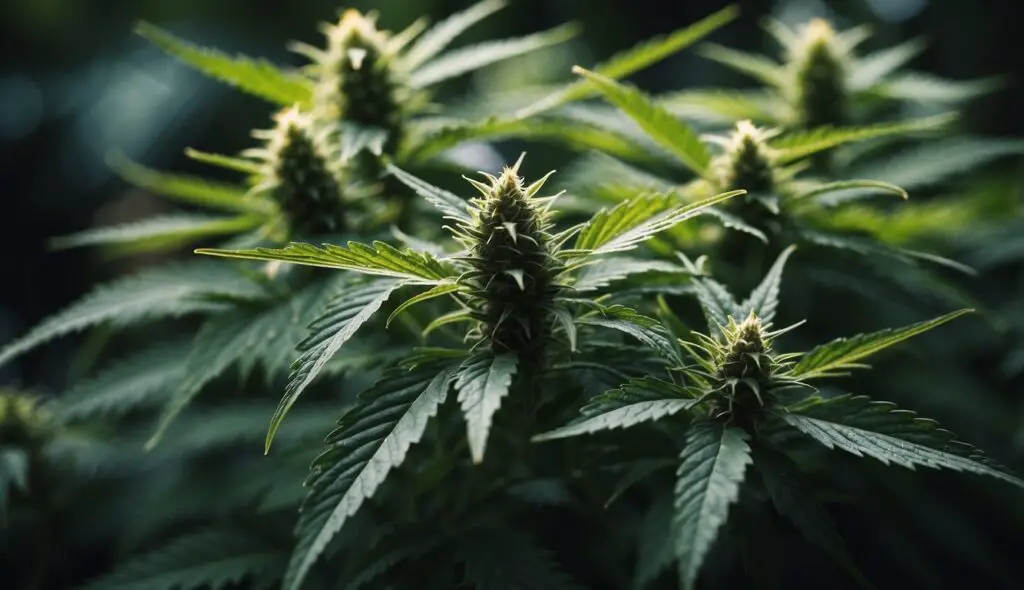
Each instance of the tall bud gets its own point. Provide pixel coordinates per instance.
(357, 83)
(514, 270)
(819, 68)
(300, 174)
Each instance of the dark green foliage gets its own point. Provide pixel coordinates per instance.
(439, 341)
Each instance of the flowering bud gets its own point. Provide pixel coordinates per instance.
(747, 162)
(356, 82)
(745, 366)
(819, 67)
(21, 419)
(300, 174)
(514, 271)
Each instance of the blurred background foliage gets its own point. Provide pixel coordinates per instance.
(75, 84)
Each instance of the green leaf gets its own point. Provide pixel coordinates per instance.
(601, 275)
(378, 259)
(350, 309)
(483, 380)
(158, 233)
(925, 88)
(448, 203)
(170, 291)
(842, 353)
(635, 221)
(467, 59)
(634, 59)
(798, 145)
(794, 498)
(934, 162)
(647, 330)
(14, 465)
(874, 67)
(142, 379)
(228, 162)
(764, 299)
(211, 558)
(668, 130)
(751, 64)
(257, 77)
(503, 558)
(187, 189)
(735, 222)
(656, 547)
(724, 106)
(371, 440)
(716, 302)
(440, 35)
(438, 291)
(645, 399)
(861, 426)
(713, 465)
(839, 186)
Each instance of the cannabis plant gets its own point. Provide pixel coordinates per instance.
(514, 283)
(738, 402)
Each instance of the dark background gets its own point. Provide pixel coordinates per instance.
(75, 83)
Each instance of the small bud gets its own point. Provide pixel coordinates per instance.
(356, 82)
(514, 270)
(748, 161)
(301, 175)
(744, 375)
(819, 67)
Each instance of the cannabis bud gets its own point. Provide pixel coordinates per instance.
(748, 161)
(819, 68)
(300, 173)
(514, 271)
(357, 83)
(745, 370)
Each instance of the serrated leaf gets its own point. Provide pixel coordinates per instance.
(758, 67)
(714, 462)
(634, 59)
(502, 558)
(635, 221)
(192, 190)
(435, 39)
(448, 203)
(735, 222)
(371, 440)
(596, 276)
(438, 291)
(724, 106)
(656, 549)
(157, 233)
(142, 379)
(794, 498)
(212, 558)
(350, 309)
(842, 353)
(861, 426)
(647, 330)
(482, 382)
(645, 399)
(253, 76)
(354, 139)
(849, 190)
(800, 144)
(467, 59)
(874, 67)
(716, 302)
(925, 88)
(764, 299)
(170, 291)
(934, 162)
(669, 131)
(380, 259)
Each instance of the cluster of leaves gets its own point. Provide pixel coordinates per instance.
(545, 317)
